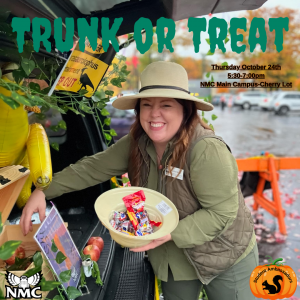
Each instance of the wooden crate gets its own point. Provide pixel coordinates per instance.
(12, 179)
(13, 232)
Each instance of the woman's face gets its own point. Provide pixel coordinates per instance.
(160, 118)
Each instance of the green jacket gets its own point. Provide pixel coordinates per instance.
(210, 236)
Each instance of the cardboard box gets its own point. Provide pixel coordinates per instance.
(12, 179)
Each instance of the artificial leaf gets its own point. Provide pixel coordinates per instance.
(100, 105)
(20, 99)
(107, 136)
(209, 53)
(8, 249)
(116, 82)
(53, 246)
(113, 132)
(212, 127)
(27, 65)
(225, 63)
(73, 293)
(55, 146)
(34, 86)
(75, 111)
(62, 124)
(38, 259)
(85, 108)
(207, 75)
(48, 285)
(100, 95)
(207, 41)
(37, 100)
(205, 120)
(104, 112)
(107, 121)
(32, 271)
(202, 113)
(54, 128)
(19, 75)
(60, 257)
(214, 117)
(65, 276)
(83, 92)
(226, 40)
(109, 93)
(212, 78)
(124, 70)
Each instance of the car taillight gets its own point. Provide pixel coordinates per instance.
(265, 100)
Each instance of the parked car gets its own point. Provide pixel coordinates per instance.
(121, 120)
(266, 103)
(247, 100)
(285, 102)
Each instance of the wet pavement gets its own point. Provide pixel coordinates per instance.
(248, 133)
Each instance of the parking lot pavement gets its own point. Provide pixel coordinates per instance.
(248, 133)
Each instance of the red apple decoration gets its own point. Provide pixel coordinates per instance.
(93, 251)
(20, 253)
(98, 241)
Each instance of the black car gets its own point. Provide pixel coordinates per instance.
(126, 275)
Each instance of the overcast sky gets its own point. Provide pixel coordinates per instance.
(294, 4)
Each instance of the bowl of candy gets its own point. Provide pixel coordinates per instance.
(135, 216)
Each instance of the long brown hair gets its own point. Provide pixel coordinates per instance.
(183, 138)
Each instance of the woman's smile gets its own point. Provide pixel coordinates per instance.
(157, 126)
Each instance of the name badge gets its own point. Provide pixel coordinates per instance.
(175, 172)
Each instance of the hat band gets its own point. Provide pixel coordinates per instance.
(149, 87)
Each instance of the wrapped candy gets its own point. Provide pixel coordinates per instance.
(135, 221)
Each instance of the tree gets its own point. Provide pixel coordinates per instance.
(287, 59)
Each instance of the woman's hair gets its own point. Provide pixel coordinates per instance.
(182, 141)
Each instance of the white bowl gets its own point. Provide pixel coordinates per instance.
(159, 208)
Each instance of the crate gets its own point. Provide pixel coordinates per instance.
(12, 179)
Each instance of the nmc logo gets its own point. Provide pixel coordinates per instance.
(21, 286)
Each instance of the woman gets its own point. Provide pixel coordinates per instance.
(170, 150)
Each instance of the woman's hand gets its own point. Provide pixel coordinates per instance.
(153, 244)
(35, 203)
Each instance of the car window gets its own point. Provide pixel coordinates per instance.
(292, 96)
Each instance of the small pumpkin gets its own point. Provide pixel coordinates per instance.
(273, 281)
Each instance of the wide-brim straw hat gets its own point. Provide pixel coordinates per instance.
(162, 79)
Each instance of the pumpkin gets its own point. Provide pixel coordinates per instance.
(273, 281)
